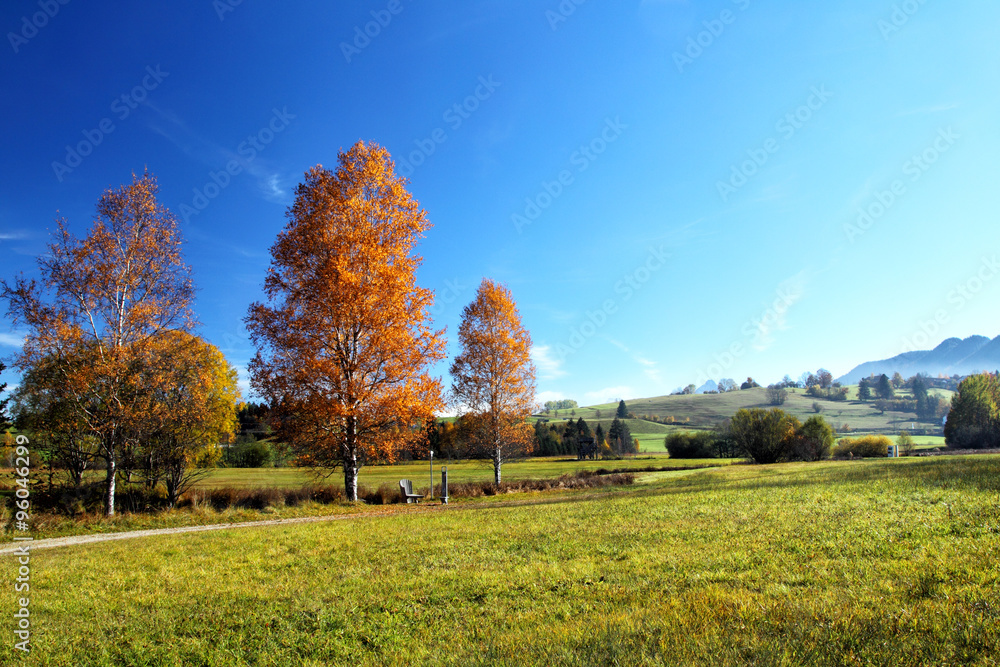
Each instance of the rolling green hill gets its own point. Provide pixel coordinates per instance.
(705, 411)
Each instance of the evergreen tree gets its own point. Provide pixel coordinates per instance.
(542, 442)
(884, 388)
(620, 438)
(622, 410)
(974, 420)
(864, 390)
(920, 396)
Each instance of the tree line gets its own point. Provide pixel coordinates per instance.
(575, 438)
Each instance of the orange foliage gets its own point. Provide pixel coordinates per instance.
(493, 378)
(111, 293)
(345, 340)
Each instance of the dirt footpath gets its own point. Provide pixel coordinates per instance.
(74, 540)
(398, 510)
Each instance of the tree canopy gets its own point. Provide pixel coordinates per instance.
(493, 377)
(102, 299)
(974, 420)
(345, 339)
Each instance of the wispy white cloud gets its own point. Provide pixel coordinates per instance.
(549, 367)
(11, 340)
(243, 382)
(273, 190)
(649, 367)
(215, 156)
(607, 395)
(545, 396)
(12, 236)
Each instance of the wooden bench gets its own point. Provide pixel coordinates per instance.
(407, 488)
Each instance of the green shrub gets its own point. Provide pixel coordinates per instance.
(869, 446)
(766, 436)
(691, 445)
(248, 453)
(813, 441)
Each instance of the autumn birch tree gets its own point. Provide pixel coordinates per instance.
(493, 378)
(102, 298)
(345, 338)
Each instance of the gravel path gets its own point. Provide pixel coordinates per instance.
(74, 540)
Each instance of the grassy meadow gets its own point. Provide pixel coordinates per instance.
(835, 563)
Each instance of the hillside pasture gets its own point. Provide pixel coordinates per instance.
(707, 410)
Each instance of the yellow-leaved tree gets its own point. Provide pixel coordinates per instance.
(345, 339)
(191, 394)
(493, 378)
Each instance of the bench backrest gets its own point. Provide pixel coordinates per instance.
(407, 486)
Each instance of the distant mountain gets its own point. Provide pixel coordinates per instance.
(707, 387)
(952, 357)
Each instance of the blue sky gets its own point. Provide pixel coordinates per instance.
(672, 190)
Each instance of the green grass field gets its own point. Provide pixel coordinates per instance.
(58, 524)
(866, 562)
